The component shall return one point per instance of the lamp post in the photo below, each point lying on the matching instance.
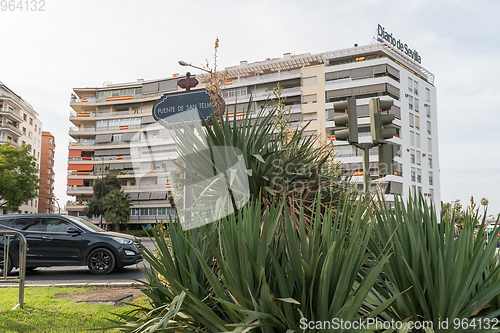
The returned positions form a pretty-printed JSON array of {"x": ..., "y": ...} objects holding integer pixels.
[
  {"x": 183, "y": 63},
  {"x": 102, "y": 184},
  {"x": 57, "y": 202}
]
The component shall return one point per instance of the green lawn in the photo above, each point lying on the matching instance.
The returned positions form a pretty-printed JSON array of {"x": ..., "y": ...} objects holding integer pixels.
[{"x": 43, "y": 313}]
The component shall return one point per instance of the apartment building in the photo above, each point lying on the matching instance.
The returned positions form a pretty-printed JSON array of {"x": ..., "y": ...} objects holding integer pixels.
[
  {"x": 46, "y": 203},
  {"x": 114, "y": 132},
  {"x": 313, "y": 82},
  {"x": 19, "y": 125}
]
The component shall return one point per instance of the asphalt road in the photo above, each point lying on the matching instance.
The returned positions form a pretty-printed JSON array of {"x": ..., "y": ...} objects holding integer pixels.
[{"x": 72, "y": 275}]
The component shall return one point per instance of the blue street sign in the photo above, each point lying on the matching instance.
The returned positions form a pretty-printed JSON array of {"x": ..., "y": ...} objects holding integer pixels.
[{"x": 172, "y": 108}]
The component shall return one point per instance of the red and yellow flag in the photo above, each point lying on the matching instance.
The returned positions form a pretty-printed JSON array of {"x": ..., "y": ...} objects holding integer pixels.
[{"x": 118, "y": 98}]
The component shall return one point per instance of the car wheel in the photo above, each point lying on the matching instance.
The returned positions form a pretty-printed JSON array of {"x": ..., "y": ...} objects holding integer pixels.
[
  {"x": 9, "y": 268},
  {"x": 101, "y": 261}
]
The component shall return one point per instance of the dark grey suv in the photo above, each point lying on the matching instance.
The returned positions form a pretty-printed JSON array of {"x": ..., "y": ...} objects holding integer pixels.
[{"x": 62, "y": 240}]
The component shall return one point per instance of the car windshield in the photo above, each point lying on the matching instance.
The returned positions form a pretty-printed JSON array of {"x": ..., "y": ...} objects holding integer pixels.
[{"x": 85, "y": 224}]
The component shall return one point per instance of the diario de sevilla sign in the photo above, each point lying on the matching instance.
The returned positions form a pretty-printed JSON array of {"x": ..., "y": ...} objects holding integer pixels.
[
  {"x": 397, "y": 44},
  {"x": 182, "y": 107}
]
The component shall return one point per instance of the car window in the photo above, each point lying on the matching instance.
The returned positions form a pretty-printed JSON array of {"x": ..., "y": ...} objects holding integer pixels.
[
  {"x": 6, "y": 222},
  {"x": 56, "y": 225},
  {"x": 28, "y": 224}
]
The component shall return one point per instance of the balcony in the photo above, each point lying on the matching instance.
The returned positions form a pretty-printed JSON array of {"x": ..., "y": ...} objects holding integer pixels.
[
  {"x": 106, "y": 99},
  {"x": 11, "y": 114},
  {"x": 92, "y": 114},
  {"x": 6, "y": 125},
  {"x": 4, "y": 139},
  {"x": 279, "y": 76}
]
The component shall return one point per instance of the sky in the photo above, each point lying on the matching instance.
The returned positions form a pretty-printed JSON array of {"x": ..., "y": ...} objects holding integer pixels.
[{"x": 85, "y": 43}]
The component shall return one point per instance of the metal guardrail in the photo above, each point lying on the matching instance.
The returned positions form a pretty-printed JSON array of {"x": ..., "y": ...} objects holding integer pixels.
[{"x": 22, "y": 263}]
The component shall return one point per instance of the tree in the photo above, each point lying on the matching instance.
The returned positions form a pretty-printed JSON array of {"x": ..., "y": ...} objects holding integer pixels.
[
  {"x": 94, "y": 207},
  {"x": 116, "y": 206},
  {"x": 18, "y": 176}
]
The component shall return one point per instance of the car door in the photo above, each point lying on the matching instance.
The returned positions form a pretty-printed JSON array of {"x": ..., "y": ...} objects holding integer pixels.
[
  {"x": 58, "y": 246},
  {"x": 31, "y": 228}
]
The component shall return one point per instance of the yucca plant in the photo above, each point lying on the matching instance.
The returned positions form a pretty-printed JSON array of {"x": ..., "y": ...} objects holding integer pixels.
[
  {"x": 293, "y": 169},
  {"x": 439, "y": 277},
  {"x": 251, "y": 271}
]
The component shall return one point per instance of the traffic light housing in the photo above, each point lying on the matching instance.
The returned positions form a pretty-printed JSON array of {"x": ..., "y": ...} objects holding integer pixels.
[
  {"x": 379, "y": 122},
  {"x": 386, "y": 153},
  {"x": 349, "y": 120}
]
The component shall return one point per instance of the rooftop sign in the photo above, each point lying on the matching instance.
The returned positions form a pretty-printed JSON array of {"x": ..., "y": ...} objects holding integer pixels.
[{"x": 398, "y": 44}]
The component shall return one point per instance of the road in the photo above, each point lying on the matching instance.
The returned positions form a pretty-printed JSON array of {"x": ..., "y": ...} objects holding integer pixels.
[{"x": 71, "y": 275}]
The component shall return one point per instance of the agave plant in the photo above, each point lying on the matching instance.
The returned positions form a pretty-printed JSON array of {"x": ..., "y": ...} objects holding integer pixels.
[
  {"x": 244, "y": 273},
  {"x": 439, "y": 276},
  {"x": 293, "y": 169}
]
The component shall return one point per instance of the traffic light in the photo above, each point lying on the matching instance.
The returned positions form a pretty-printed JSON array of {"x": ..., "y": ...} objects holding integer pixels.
[
  {"x": 350, "y": 120},
  {"x": 379, "y": 122},
  {"x": 386, "y": 153}
]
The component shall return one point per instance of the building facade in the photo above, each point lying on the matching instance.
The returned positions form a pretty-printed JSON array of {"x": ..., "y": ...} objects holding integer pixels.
[
  {"x": 312, "y": 83},
  {"x": 46, "y": 202},
  {"x": 114, "y": 132},
  {"x": 19, "y": 125}
]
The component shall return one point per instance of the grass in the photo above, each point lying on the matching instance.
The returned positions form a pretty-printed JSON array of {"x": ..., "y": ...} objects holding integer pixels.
[{"x": 43, "y": 313}]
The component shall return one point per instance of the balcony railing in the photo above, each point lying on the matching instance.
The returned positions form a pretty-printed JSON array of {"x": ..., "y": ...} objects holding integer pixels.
[
  {"x": 16, "y": 113},
  {"x": 91, "y": 114},
  {"x": 101, "y": 99},
  {"x": 282, "y": 75},
  {"x": 11, "y": 127},
  {"x": 5, "y": 140},
  {"x": 124, "y": 188}
]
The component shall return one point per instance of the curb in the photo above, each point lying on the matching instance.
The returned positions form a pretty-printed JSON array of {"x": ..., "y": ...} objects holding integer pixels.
[{"x": 81, "y": 285}]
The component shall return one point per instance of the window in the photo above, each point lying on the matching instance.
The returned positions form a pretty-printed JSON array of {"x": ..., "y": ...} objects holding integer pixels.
[
  {"x": 36, "y": 127},
  {"x": 309, "y": 81},
  {"x": 412, "y": 120},
  {"x": 415, "y": 88},
  {"x": 306, "y": 99},
  {"x": 412, "y": 156},
  {"x": 24, "y": 130},
  {"x": 430, "y": 161},
  {"x": 428, "y": 127},
  {"x": 431, "y": 193},
  {"x": 417, "y": 122},
  {"x": 25, "y": 118},
  {"x": 49, "y": 171},
  {"x": 412, "y": 138},
  {"x": 428, "y": 111},
  {"x": 410, "y": 102},
  {"x": 28, "y": 224},
  {"x": 116, "y": 137},
  {"x": 51, "y": 142},
  {"x": 419, "y": 176},
  {"x": 30, "y": 135},
  {"x": 417, "y": 140},
  {"x": 419, "y": 157},
  {"x": 50, "y": 151},
  {"x": 417, "y": 105},
  {"x": 31, "y": 121},
  {"x": 429, "y": 144},
  {"x": 50, "y": 161},
  {"x": 48, "y": 191},
  {"x": 57, "y": 225},
  {"x": 410, "y": 85},
  {"x": 427, "y": 94},
  {"x": 431, "y": 181},
  {"x": 413, "y": 174},
  {"x": 34, "y": 152},
  {"x": 48, "y": 180}
]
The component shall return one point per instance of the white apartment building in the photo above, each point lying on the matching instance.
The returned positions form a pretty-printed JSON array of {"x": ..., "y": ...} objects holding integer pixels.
[
  {"x": 115, "y": 131},
  {"x": 19, "y": 124},
  {"x": 313, "y": 82}
]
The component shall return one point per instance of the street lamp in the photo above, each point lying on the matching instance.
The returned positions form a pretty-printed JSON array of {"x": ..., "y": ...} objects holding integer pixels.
[
  {"x": 57, "y": 202},
  {"x": 183, "y": 63}
]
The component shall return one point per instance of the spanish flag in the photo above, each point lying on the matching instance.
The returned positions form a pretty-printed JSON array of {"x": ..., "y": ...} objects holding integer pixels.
[
  {"x": 229, "y": 82},
  {"x": 358, "y": 173},
  {"x": 153, "y": 170},
  {"x": 83, "y": 114},
  {"x": 175, "y": 75},
  {"x": 119, "y": 157},
  {"x": 239, "y": 114},
  {"x": 168, "y": 185},
  {"x": 331, "y": 137},
  {"x": 118, "y": 98},
  {"x": 74, "y": 143},
  {"x": 87, "y": 158},
  {"x": 80, "y": 173},
  {"x": 85, "y": 99},
  {"x": 396, "y": 173},
  {"x": 124, "y": 127}
]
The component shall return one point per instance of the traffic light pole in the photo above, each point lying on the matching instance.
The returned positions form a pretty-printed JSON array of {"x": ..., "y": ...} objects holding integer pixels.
[{"x": 366, "y": 164}]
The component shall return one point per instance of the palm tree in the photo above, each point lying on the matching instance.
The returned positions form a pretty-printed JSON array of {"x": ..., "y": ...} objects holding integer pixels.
[{"x": 116, "y": 207}]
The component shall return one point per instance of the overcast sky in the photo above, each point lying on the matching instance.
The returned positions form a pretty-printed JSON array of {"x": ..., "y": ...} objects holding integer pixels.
[{"x": 85, "y": 43}]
